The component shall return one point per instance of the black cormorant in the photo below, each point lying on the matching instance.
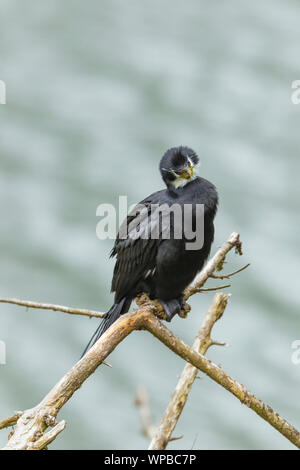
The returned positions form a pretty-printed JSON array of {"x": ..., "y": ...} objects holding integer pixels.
[{"x": 162, "y": 266}]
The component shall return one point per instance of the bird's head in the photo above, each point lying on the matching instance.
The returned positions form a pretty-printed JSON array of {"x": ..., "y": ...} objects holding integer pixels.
[{"x": 179, "y": 166}]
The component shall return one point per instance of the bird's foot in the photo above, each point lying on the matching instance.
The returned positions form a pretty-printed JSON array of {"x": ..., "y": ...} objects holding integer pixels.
[
  {"x": 182, "y": 302},
  {"x": 172, "y": 307}
]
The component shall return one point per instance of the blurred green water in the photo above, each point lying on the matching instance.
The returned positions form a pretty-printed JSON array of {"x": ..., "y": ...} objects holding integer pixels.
[{"x": 96, "y": 92}]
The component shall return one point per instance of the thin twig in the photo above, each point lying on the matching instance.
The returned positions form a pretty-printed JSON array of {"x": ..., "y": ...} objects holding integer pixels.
[
  {"x": 212, "y": 265},
  {"x": 211, "y": 289},
  {"x": 228, "y": 276},
  {"x": 56, "y": 308}
]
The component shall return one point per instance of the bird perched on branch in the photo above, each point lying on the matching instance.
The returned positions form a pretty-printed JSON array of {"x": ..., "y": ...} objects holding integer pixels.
[{"x": 164, "y": 242}]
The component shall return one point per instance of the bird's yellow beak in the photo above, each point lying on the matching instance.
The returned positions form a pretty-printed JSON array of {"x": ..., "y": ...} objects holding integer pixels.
[{"x": 187, "y": 173}]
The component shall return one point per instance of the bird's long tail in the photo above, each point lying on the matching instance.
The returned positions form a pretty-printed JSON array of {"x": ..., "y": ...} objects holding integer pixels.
[{"x": 112, "y": 315}]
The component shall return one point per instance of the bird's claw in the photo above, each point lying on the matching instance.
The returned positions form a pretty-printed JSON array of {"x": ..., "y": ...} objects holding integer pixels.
[{"x": 172, "y": 307}]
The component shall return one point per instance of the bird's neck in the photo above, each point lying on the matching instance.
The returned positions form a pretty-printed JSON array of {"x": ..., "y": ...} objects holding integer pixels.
[{"x": 176, "y": 192}]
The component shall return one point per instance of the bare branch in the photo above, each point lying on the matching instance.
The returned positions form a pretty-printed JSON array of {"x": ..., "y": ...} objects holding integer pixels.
[
  {"x": 212, "y": 289},
  {"x": 31, "y": 426},
  {"x": 32, "y": 422},
  {"x": 48, "y": 437},
  {"x": 228, "y": 276},
  {"x": 159, "y": 330},
  {"x": 11, "y": 421},
  {"x": 179, "y": 398},
  {"x": 215, "y": 262},
  {"x": 56, "y": 308},
  {"x": 143, "y": 405}
]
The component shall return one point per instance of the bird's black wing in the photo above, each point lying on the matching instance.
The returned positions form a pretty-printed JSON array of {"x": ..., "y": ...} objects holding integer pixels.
[{"x": 135, "y": 251}]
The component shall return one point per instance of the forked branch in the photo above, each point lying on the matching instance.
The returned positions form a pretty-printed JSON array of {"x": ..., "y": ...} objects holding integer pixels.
[
  {"x": 179, "y": 398},
  {"x": 31, "y": 425}
]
